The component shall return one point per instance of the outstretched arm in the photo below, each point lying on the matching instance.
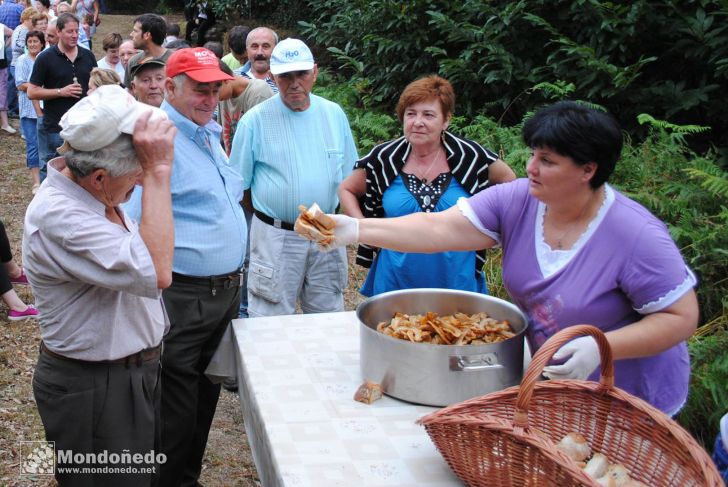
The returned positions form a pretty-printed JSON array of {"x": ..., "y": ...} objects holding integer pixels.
[{"x": 418, "y": 232}]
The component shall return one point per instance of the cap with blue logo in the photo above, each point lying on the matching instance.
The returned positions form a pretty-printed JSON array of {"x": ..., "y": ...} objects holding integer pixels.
[{"x": 291, "y": 55}]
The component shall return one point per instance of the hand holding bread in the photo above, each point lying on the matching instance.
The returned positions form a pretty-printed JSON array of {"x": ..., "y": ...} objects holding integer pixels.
[{"x": 328, "y": 231}]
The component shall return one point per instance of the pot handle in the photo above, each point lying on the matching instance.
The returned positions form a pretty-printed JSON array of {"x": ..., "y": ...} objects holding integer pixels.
[
  {"x": 544, "y": 354},
  {"x": 469, "y": 363}
]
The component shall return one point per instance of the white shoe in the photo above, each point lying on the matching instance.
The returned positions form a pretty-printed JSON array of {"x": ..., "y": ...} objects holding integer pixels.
[{"x": 9, "y": 129}]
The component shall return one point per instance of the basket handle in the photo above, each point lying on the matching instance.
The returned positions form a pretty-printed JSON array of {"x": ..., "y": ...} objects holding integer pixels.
[{"x": 544, "y": 354}]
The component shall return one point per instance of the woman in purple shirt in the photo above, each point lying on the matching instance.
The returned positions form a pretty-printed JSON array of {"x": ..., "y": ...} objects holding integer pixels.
[{"x": 575, "y": 251}]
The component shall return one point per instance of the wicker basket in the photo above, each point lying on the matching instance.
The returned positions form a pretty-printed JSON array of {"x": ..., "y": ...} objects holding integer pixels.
[{"x": 507, "y": 438}]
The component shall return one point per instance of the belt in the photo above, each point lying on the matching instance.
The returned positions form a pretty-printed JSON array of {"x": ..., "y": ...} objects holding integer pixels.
[
  {"x": 274, "y": 222},
  {"x": 146, "y": 355},
  {"x": 212, "y": 283},
  {"x": 226, "y": 281}
]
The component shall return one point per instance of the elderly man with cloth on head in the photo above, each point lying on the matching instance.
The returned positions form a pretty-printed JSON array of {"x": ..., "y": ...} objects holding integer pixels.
[{"x": 97, "y": 278}]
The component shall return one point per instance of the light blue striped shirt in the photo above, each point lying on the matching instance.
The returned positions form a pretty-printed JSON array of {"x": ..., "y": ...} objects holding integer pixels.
[
  {"x": 23, "y": 68},
  {"x": 209, "y": 224},
  {"x": 290, "y": 158}
]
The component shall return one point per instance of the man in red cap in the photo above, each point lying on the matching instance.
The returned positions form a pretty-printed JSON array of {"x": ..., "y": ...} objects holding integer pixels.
[{"x": 210, "y": 236}]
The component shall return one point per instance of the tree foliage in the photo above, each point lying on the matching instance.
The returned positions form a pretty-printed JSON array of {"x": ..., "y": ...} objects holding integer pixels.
[{"x": 666, "y": 58}]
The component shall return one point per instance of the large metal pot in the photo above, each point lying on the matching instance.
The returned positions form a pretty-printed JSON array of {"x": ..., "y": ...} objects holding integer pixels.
[{"x": 438, "y": 375}]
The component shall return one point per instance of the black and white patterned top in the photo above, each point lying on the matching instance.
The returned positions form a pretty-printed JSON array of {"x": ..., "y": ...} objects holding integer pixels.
[
  {"x": 468, "y": 162},
  {"x": 427, "y": 194}
]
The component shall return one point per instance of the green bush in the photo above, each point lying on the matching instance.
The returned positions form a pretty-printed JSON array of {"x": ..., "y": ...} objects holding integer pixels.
[
  {"x": 708, "y": 399},
  {"x": 661, "y": 57}
]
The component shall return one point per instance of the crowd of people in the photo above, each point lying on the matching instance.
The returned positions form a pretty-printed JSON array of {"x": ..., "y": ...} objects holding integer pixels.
[{"x": 167, "y": 179}]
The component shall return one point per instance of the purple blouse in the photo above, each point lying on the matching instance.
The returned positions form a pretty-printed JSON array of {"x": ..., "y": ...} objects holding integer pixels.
[{"x": 628, "y": 266}]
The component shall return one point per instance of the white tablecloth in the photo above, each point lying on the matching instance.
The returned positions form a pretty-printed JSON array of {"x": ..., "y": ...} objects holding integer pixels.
[{"x": 297, "y": 377}]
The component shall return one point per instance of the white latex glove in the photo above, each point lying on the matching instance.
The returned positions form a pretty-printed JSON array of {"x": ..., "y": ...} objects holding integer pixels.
[
  {"x": 346, "y": 232},
  {"x": 584, "y": 360}
]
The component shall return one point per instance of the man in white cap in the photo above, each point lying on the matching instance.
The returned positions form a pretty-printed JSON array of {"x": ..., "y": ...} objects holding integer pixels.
[
  {"x": 292, "y": 149},
  {"x": 210, "y": 235},
  {"x": 97, "y": 278}
]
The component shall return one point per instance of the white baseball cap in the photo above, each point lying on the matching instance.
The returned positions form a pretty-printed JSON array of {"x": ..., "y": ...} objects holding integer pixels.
[
  {"x": 291, "y": 55},
  {"x": 98, "y": 119}
]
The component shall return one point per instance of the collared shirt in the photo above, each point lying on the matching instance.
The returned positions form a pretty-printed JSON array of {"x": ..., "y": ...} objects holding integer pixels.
[
  {"x": 10, "y": 13},
  {"x": 292, "y": 158},
  {"x": 52, "y": 70},
  {"x": 209, "y": 224},
  {"x": 94, "y": 281},
  {"x": 22, "y": 73},
  {"x": 247, "y": 71}
]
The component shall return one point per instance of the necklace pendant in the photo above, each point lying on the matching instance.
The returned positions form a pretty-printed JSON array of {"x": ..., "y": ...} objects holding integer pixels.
[{"x": 427, "y": 200}]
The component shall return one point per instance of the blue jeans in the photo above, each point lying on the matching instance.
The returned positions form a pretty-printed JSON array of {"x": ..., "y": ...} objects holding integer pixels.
[
  {"x": 246, "y": 262},
  {"x": 12, "y": 90},
  {"x": 28, "y": 126},
  {"x": 48, "y": 151},
  {"x": 42, "y": 151}
]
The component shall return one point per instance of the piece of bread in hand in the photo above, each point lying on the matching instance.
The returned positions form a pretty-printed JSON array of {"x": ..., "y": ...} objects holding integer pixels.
[
  {"x": 314, "y": 224},
  {"x": 368, "y": 392}
]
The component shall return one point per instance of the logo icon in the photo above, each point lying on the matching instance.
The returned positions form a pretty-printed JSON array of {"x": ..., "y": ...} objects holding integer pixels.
[{"x": 37, "y": 457}]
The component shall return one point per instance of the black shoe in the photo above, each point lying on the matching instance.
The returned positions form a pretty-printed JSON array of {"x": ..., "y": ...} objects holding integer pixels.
[{"x": 230, "y": 384}]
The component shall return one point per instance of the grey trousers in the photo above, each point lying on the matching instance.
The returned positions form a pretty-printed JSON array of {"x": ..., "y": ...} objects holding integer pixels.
[
  {"x": 286, "y": 269},
  {"x": 95, "y": 408}
]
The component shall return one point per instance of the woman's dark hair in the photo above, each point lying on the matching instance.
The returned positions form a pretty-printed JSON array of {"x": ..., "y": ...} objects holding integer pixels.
[
  {"x": 579, "y": 132},
  {"x": 38, "y": 35}
]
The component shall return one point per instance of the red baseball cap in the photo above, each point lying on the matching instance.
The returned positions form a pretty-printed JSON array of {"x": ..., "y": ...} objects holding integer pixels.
[{"x": 198, "y": 63}]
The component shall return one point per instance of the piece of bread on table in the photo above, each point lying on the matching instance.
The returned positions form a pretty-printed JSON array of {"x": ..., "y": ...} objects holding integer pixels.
[{"x": 368, "y": 392}]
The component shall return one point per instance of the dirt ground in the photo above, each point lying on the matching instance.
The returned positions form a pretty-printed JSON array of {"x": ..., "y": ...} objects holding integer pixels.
[{"x": 227, "y": 460}]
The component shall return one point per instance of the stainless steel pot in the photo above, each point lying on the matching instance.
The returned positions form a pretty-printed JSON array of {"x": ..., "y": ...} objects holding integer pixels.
[{"x": 438, "y": 375}]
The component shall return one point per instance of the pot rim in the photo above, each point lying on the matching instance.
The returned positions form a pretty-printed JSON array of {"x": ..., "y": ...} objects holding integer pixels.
[{"x": 372, "y": 299}]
